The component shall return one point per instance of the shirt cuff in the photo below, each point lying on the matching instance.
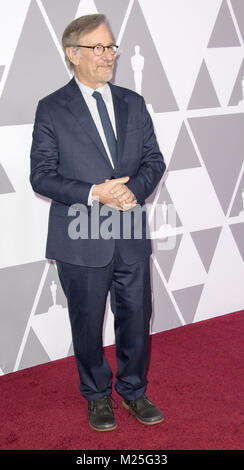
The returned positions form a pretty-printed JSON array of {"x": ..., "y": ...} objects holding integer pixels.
[{"x": 90, "y": 200}]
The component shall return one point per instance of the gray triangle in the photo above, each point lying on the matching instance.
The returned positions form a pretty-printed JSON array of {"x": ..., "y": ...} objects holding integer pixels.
[
  {"x": 166, "y": 258},
  {"x": 66, "y": 14},
  {"x": 238, "y": 204},
  {"x": 2, "y": 67},
  {"x": 34, "y": 353},
  {"x": 187, "y": 300},
  {"x": 238, "y": 234},
  {"x": 236, "y": 94},
  {"x": 71, "y": 350},
  {"x": 155, "y": 85},
  {"x": 184, "y": 155},
  {"x": 224, "y": 33},
  {"x": 164, "y": 315},
  {"x": 206, "y": 242},
  {"x": 114, "y": 11},
  {"x": 18, "y": 288},
  {"x": 5, "y": 184},
  {"x": 221, "y": 144},
  {"x": 150, "y": 198},
  {"x": 46, "y": 300},
  {"x": 204, "y": 94},
  {"x": 39, "y": 69},
  {"x": 238, "y": 7}
]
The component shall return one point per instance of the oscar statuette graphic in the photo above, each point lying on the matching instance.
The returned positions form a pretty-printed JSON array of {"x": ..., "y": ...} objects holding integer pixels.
[{"x": 52, "y": 327}]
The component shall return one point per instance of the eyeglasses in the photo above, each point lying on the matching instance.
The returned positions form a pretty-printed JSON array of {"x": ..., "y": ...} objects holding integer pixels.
[{"x": 99, "y": 49}]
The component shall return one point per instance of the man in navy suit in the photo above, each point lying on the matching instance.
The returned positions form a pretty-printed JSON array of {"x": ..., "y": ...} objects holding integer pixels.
[{"x": 94, "y": 153}]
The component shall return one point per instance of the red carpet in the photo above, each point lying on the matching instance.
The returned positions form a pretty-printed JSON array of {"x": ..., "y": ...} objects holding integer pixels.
[{"x": 196, "y": 376}]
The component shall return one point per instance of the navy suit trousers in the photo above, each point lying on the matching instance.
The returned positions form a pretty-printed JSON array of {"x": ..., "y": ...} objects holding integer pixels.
[{"x": 86, "y": 289}]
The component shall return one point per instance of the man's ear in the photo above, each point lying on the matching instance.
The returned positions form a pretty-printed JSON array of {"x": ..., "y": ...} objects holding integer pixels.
[{"x": 72, "y": 55}]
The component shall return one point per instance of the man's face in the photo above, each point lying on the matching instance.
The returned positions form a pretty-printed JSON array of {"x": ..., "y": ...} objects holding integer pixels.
[{"x": 92, "y": 70}]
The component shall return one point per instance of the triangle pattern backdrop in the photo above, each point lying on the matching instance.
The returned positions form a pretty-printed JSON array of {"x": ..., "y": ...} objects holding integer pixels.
[
  {"x": 5, "y": 184},
  {"x": 238, "y": 7},
  {"x": 224, "y": 33},
  {"x": 198, "y": 254},
  {"x": 29, "y": 62},
  {"x": 1, "y": 70},
  {"x": 204, "y": 94},
  {"x": 60, "y": 14}
]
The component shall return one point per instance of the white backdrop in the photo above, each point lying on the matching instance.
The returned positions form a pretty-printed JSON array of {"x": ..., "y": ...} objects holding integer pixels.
[{"x": 191, "y": 57}]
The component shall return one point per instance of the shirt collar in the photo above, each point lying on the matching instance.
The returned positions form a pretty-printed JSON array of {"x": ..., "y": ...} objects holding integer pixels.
[{"x": 104, "y": 90}]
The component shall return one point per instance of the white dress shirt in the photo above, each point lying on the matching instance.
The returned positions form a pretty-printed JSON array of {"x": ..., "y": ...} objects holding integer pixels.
[{"x": 92, "y": 106}]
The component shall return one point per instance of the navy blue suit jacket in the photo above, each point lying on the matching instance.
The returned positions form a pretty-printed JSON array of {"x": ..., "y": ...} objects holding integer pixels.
[{"x": 68, "y": 157}]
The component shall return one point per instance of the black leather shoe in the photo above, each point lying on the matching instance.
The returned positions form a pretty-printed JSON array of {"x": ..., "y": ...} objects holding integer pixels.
[
  {"x": 100, "y": 414},
  {"x": 143, "y": 410}
]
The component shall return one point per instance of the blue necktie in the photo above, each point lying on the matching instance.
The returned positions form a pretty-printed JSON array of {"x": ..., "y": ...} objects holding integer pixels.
[{"x": 107, "y": 126}]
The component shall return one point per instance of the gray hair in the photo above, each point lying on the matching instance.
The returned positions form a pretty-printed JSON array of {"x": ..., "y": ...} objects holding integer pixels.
[{"x": 79, "y": 27}]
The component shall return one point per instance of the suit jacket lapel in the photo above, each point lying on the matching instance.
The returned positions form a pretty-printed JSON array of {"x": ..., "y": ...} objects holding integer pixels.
[
  {"x": 121, "y": 117},
  {"x": 80, "y": 111}
]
